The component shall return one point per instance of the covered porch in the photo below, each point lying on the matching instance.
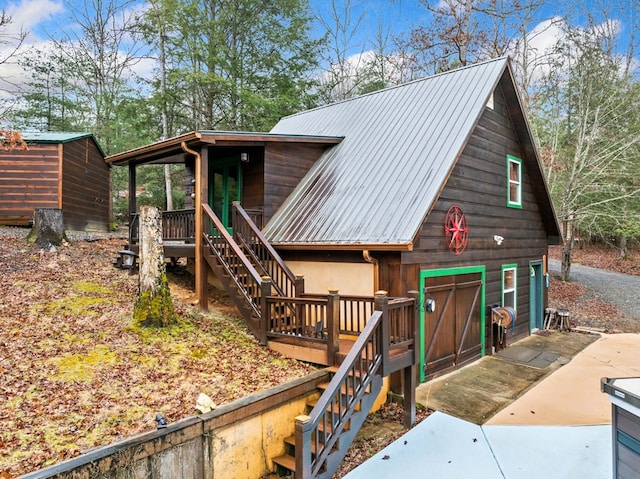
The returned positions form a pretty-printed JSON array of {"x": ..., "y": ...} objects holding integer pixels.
[{"x": 259, "y": 170}]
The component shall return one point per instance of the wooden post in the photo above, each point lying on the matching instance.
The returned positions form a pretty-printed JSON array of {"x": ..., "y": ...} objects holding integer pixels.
[
  {"x": 201, "y": 190},
  {"x": 303, "y": 448},
  {"x": 415, "y": 325},
  {"x": 154, "y": 306},
  {"x": 299, "y": 285},
  {"x": 381, "y": 303},
  {"x": 333, "y": 326},
  {"x": 409, "y": 379},
  {"x": 133, "y": 208},
  {"x": 409, "y": 395},
  {"x": 265, "y": 317}
]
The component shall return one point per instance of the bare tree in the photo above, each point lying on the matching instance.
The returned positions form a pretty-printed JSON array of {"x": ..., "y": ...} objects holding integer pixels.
[
  {"x": 157, "y": 28},
  {"x": 345, "y": 58},
  {"x": 13, "y": 40},
  {"x": 592, "y": 133},
  {"x": 104, "y": 49},
  {"x": 466, "y": 31}
]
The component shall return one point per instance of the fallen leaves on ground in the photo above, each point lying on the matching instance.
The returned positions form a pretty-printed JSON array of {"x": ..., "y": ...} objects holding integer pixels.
[
  {"x": 75, "y": 375},
  {"x": 587, "y": 312}
]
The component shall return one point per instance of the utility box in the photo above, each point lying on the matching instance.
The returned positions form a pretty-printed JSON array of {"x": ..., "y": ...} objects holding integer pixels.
[{"x": 624, "y": 394}]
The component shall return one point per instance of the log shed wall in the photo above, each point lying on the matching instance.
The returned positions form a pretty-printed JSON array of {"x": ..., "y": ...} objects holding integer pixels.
[
  {"x": 28, "y": 180},
  {"x": 85, "y": 186},
  {"x": 71, "y": 175}
]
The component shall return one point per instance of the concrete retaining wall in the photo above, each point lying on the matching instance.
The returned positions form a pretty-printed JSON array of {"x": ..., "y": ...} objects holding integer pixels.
[{"x": 236, "y": 440}]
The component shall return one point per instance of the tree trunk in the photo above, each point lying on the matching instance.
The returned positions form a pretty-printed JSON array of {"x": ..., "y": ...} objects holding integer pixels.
[
  {"x": 567, "y": 250},
  {"x": 154, "y": 306},
  {"x": 48, "y": 228},
  {"x": 624, "y": 252},
  {"x": 168, "y": 187}
]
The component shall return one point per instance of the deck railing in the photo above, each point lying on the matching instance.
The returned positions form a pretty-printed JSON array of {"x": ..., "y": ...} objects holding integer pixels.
[
  {"x": 177, "y": 225},
  {"x": 247, "y": 235},
  {"x": 237, "y": 266},
  {"x": 317, "y": 434}
]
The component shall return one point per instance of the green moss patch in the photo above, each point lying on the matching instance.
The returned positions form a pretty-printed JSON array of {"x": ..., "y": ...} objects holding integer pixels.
[{"x": 82, "y": 367}]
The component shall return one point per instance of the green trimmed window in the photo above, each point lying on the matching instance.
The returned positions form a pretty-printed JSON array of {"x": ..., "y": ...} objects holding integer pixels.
[
  {"x": 514, "y": 178},
  {"x": 509, "y": 285}
]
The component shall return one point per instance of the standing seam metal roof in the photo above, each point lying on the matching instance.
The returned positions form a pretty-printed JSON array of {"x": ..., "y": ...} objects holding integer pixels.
[{"x": 378, "y": 184}]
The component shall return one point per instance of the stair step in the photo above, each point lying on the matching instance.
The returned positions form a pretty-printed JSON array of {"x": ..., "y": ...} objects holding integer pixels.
[
  {"x": 287, "y": 461},
  {"x": 312, "y": 402},
  {"x": 344, "y": 390},
  {"x": 291, "y": 441},
  {"x": 334, "y": 369},
  {"x": 329, "y": 427}
]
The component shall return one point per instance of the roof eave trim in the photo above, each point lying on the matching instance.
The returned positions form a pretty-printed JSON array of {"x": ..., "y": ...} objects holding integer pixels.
[
  {"x": 126, "y": 156},
  {"x": 341, "y": 246}
]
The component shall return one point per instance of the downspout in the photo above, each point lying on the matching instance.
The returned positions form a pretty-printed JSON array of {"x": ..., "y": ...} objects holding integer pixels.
[
  {"x": 376, "y": 268},
  {"x": 198, "y": 232}
]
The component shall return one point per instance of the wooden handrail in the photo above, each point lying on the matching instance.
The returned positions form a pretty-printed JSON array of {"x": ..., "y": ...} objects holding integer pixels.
[
  {"x": 321, "y": 429},
  {"x": 245, "y": 230},
  {"x": 391, "y": 329},
  {"x": 251, "y": 286}
]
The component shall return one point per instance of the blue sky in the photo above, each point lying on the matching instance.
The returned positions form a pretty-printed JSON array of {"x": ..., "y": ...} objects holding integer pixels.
[{"x": 42, "y": 17}]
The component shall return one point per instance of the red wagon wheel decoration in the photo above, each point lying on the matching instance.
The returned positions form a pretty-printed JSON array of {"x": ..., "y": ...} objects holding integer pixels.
[{"x": 456, "y": 229}]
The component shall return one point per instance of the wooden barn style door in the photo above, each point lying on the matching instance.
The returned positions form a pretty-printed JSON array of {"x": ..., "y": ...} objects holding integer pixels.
[{"x": 452, "y": 318}]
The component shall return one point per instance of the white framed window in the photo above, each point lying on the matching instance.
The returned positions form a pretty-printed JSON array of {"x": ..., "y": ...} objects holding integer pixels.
[
  {"x": 514, "y": 182},
  {"x": 510, "y": 285}
]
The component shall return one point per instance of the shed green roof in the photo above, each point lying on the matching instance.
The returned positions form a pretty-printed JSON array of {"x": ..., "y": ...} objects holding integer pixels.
[{"x": 53, "y": 137}]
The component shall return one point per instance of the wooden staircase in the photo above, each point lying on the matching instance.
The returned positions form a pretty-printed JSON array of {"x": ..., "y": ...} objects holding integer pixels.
[
  {"x": 335, "y": 432},
  {"x": 272, "y": 302}
]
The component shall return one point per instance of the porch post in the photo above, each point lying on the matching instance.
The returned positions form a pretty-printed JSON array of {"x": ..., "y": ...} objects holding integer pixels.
[
  {"x": 202, "y": 173},
  {"x": 381, "y": 303},
  {"x": 409, "y": 380},
  {"x": 133, "y": 207},
  {"x": 333, "y": 326},
  {"x": 299, "y": 285}
]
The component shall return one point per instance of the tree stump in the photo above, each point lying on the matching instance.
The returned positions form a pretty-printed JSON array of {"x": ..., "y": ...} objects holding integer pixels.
[
  {"x": 154, "y": 306},
  {"x": 48, "y": 228}
]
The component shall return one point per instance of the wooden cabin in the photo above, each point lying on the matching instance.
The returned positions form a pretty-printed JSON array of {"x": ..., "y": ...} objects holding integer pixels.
[
  {"x": 434, "y": 186},
  {"x": 399, "y": 234},
  {"x": 58, "y": 170}
]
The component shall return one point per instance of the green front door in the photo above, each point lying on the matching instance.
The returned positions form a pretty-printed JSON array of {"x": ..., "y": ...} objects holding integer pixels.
[
  {"x": 536, "y": 295},
  {"x": 225, "y": 187}
]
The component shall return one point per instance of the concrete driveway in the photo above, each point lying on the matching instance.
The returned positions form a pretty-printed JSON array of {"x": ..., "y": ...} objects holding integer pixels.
[{"x": 557, "y": 429}]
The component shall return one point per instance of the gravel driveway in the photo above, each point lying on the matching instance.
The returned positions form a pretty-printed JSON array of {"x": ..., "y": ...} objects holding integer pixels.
[{"x": 621, "y": 290}]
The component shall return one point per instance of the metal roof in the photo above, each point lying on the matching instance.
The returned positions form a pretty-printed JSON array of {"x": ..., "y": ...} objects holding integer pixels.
[
  {"x": 376, "y": 187},
  {"x": 57, "y": 137},
  {"x": 52, "y": 137}
]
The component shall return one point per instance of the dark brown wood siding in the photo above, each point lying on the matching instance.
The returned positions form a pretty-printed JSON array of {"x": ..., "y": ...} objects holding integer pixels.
[
  {"x": 28, "y": 180},
  {"x": 85, "y": 186},
  {"x": 478, "y": 184},
  {"x": 253, "y": 180},
  {"x": 285, "y": 164}
]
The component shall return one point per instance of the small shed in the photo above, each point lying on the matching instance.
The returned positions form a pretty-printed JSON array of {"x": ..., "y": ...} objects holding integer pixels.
[{"x": 58, "y": 170}]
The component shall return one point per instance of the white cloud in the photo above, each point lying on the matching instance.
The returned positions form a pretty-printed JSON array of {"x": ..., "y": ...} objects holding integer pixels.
[{"x": 29, "y": 14}]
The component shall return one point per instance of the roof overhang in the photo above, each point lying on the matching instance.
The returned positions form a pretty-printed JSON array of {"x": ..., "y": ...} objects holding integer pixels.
[
  {"x": 344, "y": 246},
  {"x": 171, "y": 150}
]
